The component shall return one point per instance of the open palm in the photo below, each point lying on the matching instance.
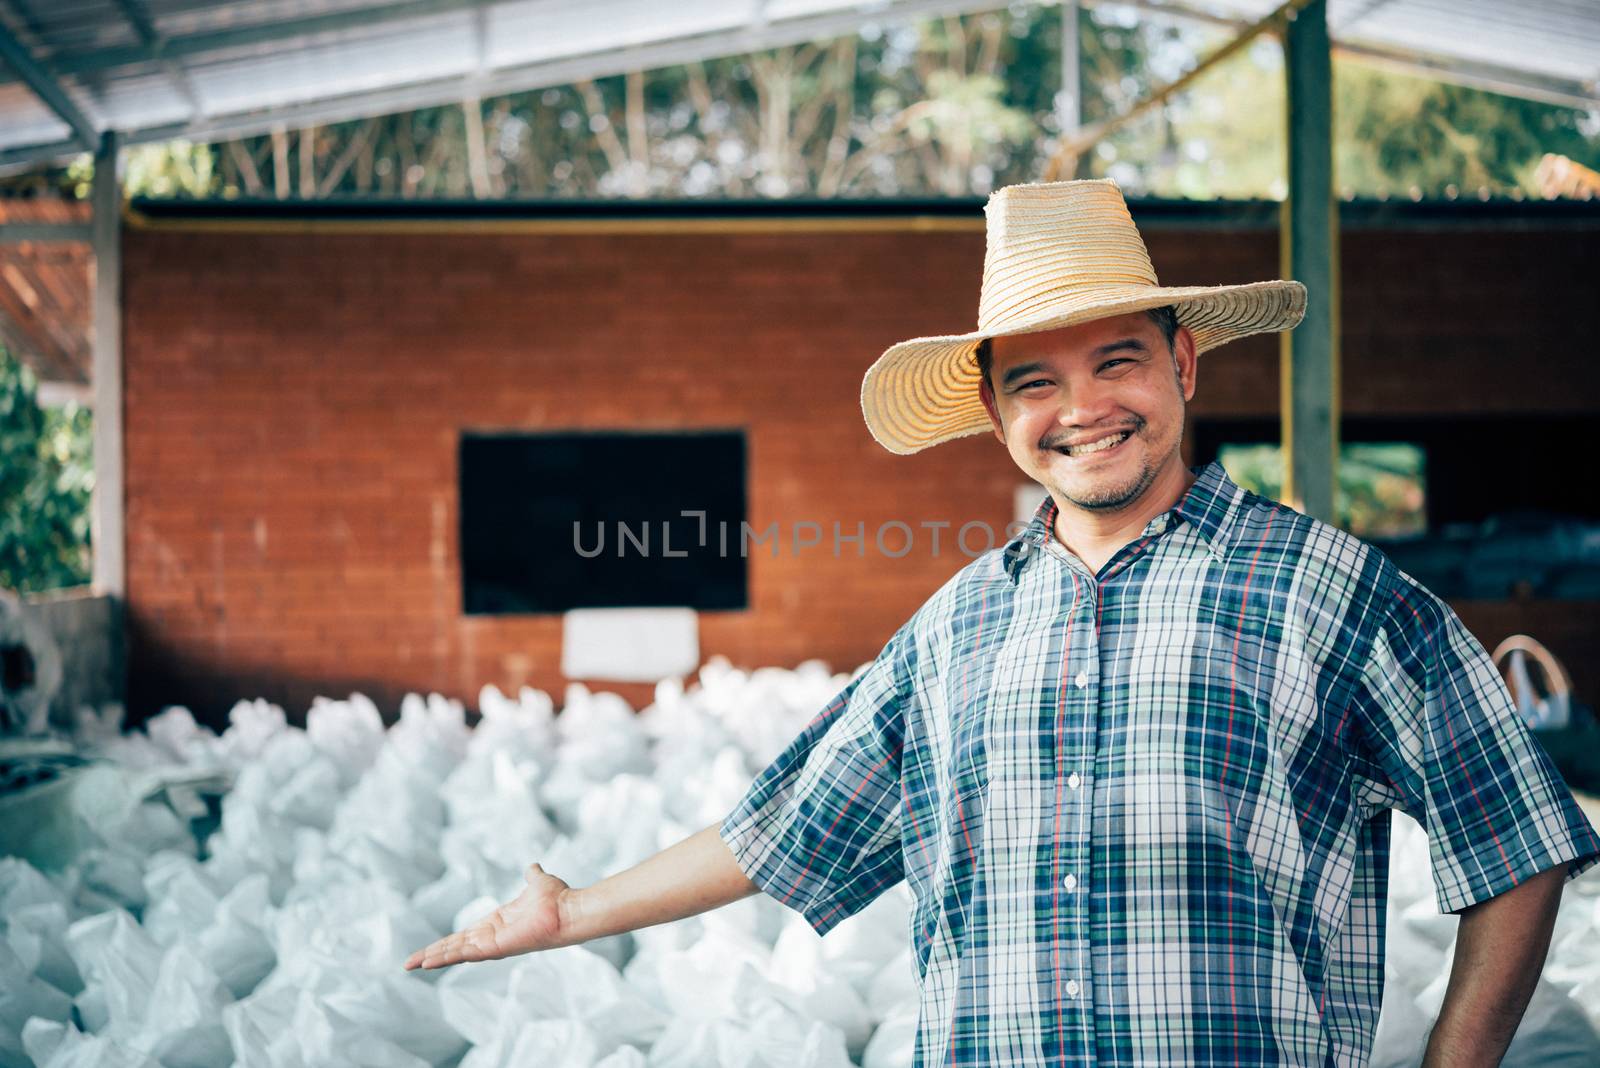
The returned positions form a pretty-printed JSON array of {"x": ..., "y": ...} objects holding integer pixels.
[{"x": 530, "y": 922}]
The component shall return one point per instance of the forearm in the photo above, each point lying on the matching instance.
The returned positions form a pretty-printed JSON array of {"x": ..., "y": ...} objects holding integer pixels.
[
  {"x": 696, "y": 875},
  {"x": 1500, "y": 951}
]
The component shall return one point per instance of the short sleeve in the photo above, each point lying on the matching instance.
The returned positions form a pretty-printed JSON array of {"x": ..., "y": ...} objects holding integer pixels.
[
  {"x": 819, "y": 829},
  {"x": 1449, "y": 749}
]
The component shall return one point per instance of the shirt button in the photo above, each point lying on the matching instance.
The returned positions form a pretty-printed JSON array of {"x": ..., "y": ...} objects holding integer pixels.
[
  {"x": 1070, "y": 882},
  {"x": 1072, "y": 988},
  {"x": 1082, "y": 680},
  {"x": 1073, "y": 780}
]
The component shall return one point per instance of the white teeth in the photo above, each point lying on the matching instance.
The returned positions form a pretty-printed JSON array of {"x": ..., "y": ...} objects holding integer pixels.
[{"x": 1099, "y": 446}]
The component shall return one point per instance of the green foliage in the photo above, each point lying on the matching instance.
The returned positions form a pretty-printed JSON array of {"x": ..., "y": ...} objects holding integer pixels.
[
  {"x": 967, "y": 113},
  {"x": 1381, "y": 491},
  {"x": 1394, "y": 134},
  {"x": 1402, "y": 135},
  {"x": 1224, "y": 137},
  {"x": 46, "y": 478},
  {"x": 169, "y": 169}
]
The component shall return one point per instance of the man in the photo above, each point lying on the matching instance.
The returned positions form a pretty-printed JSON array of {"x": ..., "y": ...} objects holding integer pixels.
[{"x": 1136, "y": 765}]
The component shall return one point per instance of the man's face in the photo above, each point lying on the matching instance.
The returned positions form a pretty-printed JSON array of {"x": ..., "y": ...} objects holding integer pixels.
[{"x": 1054, "y": 392}]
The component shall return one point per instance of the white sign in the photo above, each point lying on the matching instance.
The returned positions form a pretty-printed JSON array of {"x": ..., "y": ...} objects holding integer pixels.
[{"x": 630, "y": 644}]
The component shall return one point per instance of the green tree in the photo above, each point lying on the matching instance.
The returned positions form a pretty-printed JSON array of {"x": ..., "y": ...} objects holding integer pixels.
[
  {"x": 1398, "y": 134},
  {"x": 168, "y": 169},
  {"x": 46, "y": 478},
  {"x": 1381, "y": 491}
]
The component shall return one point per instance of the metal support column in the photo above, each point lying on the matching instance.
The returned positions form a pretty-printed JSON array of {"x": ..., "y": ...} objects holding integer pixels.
[
  {"x": 1069, "y": 102},
  {"x": 1310, "y": 251},
  {"x": 106, "y": 377}
]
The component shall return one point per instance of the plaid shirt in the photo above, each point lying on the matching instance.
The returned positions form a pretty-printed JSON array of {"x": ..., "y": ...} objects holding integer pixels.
[{"x": 1143, "y": 814}]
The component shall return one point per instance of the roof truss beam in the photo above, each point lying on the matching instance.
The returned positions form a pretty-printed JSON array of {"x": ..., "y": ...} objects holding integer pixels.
[
  {"x": 1563, "y": 92},
  {"x": 261, "y": 33},
  {"x": 17, "y": 56},
  {"x": 143, "y": 25}
]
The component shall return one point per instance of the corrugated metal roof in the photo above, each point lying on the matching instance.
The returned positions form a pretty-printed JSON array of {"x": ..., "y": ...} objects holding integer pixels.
[
  {"x": 208, "y": 69},
  {"x": 1545, "y": 49}
]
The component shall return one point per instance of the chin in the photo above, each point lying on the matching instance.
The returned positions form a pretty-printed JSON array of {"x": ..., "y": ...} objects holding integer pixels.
[
  {"x": 1108, "y": 501},
  {"x": 1111, "y": 488}
]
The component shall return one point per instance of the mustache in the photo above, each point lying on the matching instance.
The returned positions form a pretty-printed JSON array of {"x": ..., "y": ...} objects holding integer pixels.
[{"x": 1061, "y": 441}]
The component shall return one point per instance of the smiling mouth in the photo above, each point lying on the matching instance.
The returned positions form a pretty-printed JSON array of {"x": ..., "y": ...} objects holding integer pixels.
[{"x": 1097, "y": 448}]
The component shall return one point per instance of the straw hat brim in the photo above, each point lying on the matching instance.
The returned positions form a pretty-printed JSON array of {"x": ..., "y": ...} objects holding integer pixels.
[{"x": 924, "y": 391}]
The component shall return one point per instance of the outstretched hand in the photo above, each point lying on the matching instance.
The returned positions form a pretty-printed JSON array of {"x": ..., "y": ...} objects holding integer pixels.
[{"x": 530, "y": 922}]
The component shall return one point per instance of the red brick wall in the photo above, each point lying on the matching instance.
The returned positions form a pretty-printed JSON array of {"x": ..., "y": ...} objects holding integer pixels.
[{"x": 294, "y": 400}]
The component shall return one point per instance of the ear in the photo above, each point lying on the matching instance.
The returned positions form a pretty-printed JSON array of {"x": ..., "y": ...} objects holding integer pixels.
[
  {"x": 1183, "y": 353},
  {"x": 986, "y": 395}
]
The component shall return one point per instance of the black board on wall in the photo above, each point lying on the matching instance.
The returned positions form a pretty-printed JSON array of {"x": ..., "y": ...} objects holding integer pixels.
[{"x": 595, "y": 519}]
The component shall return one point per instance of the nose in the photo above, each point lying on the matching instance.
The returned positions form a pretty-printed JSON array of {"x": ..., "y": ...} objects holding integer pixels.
[{"x": 1086, "y": 403}]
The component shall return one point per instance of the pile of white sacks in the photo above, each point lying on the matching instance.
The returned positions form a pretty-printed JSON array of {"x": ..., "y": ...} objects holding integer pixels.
[{"x": 343, "y": 847}]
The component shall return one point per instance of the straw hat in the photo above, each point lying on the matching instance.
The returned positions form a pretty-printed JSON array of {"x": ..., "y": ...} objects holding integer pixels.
[{"x": 1058, "y": 254}]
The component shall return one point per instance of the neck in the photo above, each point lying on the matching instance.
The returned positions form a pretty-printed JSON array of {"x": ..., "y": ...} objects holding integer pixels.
[{"x": 1094, "y": 536}]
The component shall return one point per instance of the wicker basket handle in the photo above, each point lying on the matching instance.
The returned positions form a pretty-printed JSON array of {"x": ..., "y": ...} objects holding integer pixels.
[{"x": 1557, "y": 681}]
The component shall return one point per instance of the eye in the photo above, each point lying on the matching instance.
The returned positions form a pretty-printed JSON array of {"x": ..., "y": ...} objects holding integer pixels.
[{"x": 1110, "y": 363}]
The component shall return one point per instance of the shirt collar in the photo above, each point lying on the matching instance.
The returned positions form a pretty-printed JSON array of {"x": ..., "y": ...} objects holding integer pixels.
[{"x": 1210, "y": 505}]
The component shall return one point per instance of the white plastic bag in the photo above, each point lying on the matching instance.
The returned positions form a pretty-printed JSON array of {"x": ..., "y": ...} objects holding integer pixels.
[
  {"x": 894, "y": 1043},
  {"x": 50, "y": 1044},
  {"x": 289, "y": 1028},
  {"x": 24, "y": 996},
  {"x": 37, "y": 935},
  {"x": 546, "y": 1043},
  {"x": 345, "y": 947},
  {"x": 570, "y": 983}
]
